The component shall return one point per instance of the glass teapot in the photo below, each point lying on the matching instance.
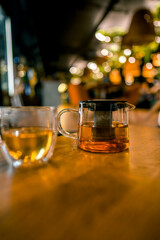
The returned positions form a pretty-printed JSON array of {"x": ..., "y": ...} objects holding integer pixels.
[{"x": 102, "y": 125}]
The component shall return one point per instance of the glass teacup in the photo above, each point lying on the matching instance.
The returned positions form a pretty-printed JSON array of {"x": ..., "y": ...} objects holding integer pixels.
[{"x": 28, "y": 134}]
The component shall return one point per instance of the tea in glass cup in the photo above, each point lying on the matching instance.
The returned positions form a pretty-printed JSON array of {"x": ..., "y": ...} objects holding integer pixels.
[{"x": 29, "y": 134}]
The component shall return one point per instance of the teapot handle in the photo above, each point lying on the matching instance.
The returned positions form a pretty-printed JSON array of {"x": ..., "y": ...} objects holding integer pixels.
[{"x": 59, "y": 125}]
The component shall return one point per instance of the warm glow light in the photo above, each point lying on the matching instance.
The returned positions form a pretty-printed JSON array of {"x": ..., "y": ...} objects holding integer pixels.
[
  {"x": 21, "y": 73},
  {"x": 75, "y": 81},
  {"x": 132, "y": 67},
  {"x": 108, "y": 39},
  {"x": 76, "y": 71},
  {"x": 122, "y": 59},
  {"x": 97, "y": 75},
  {"x": 157, "y": 39},
  {"x": 131, "y": 60},
  {"x": 127, "y": 52},
  {"x": 110, "y": 54},
  {"x": 104, "y": 52},
  {"x": 149, "y": 65},
  {"x": 80, "y": 72},
  {"x": 96, "y": 70},
  {"x": 148, "y": 71},
  {"x": 100, "y": 75},
  {"x": 156, "y": 23},
  {"x": 104, "y": 64},
  {"x": 129, "y": 79},
  {"x": 107, "y": 68},
  {"x": 115, "y": 47},
  {"x": 100, "y": 37},
  {"x": 62, "y": 87},
  {"x": 92, "y": 65},
  {"x": 73, "y": 70},
  {"x": 115, "y": 76},
  {"x": 156, "y": 60},
  {"x": 117, "y": 39}
]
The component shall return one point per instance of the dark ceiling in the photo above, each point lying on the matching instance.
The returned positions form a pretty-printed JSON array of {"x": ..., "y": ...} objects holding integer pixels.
[{"x": 55, "y": 33}]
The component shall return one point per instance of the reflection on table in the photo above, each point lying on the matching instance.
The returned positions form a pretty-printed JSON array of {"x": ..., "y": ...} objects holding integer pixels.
[{"x": 82, "y": 195}]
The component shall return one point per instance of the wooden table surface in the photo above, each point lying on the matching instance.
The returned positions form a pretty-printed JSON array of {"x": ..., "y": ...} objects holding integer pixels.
[{"x": 86, "y": 196}]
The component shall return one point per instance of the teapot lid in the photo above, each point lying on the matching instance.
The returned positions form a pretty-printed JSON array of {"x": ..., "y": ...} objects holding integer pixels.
[{"x": 103, "y": 104}]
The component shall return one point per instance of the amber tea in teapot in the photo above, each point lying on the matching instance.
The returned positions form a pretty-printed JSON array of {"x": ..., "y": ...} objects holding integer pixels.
[
  {"x": 107, "y": 139},
  {"x": 102, "y": 127}
]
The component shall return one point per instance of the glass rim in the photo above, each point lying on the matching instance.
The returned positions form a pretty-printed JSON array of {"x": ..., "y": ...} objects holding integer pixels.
[{"x": 26, "y": 108}]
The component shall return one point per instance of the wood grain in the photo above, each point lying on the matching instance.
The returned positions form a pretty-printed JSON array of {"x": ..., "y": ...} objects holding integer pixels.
[{"x": 81, "y": 195}]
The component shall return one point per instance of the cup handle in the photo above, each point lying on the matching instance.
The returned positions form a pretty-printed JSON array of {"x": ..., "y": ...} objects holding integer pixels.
[{"x": 60, "y": 128}]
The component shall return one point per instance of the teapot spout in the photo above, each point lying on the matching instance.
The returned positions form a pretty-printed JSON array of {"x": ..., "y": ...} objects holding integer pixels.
[{"x": 130, "y": 106}]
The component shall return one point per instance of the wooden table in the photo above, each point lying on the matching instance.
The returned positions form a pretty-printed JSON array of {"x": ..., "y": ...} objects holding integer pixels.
[{"x": 86, "y": 196}]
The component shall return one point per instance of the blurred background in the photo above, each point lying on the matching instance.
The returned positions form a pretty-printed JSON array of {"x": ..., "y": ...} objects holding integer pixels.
[{"x": 60, "y": 52}]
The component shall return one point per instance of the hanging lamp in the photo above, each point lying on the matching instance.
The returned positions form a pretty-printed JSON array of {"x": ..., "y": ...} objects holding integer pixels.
[{"x": 141, "y": 29}]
